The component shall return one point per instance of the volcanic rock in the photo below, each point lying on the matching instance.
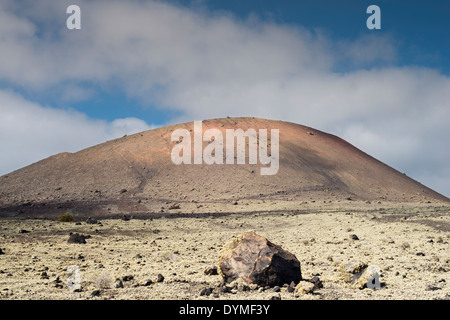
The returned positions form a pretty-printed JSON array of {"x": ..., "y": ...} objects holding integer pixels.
[
  {"x": 291, "y": 287},
  {"x": 206, "y": 291},
  {"x": 95, "y": 293},
  {"x": 127, "y": 278},
  {"x": 304, "y": 287},
  {"x": 354, "y": 237},
  {"x": 118, "y": 283},
  {"x": 159, "y": 278},
  {"x": 317, "y": 283},
  {"x": 77, "y": 238},
  {"x": 257, "y": 260},
  {"x": 91, "y": 220}
]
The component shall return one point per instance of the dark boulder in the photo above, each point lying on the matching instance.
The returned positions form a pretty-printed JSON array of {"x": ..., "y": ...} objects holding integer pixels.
[
  {"x": 257, "y": 260},
  {"x": 159, "y": 278},
  {"x": 91, "y": 220},
  {"x": 77, "y": 238}
]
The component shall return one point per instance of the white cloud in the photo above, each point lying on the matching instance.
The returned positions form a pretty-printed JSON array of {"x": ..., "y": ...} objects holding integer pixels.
[{"x": 209, "y": 65}]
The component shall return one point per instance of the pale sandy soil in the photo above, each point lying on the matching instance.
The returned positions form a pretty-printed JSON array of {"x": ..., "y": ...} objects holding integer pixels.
[{"x": 409, "y": 244}]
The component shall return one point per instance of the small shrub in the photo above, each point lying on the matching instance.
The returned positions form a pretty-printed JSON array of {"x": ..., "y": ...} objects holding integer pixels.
[
  {"x": 103, "y": 281},
  {"x": 66, "y": 217}
]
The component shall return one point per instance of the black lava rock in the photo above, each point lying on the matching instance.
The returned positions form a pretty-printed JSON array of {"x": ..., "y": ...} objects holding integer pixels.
[
  {"x": 77, "y": 238},
  {"x": 160, "y": 278}
]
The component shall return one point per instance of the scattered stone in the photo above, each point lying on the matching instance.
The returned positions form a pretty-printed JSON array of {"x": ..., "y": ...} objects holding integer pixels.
[
  {"x": 206, "y": 292},
  {"x": 352, "y": 270},
  {"x": 317, "y": 283},
  {"x": 127, "y": 278},
  {"x": 174, "y": 206},
  {"x": 354, "y": 237},
  {"x": 1, "y": 251},
  {"x": 432, "y": 288},
  {"x": 58, "y": 283},
  {"x": 276, "y": 289},
  {"x": 77, "y": 238},
  {"x": 24, "y": 231},
  {"x": 123, "y": 191},
  {"x": 304, "y": 287},
  {"x": 257, "y": 260},
  {"x": 44, "y": 275},
  {"x": 275, "y": 296},
  {"x": 225, "y": 289},
  {"x": 212, "y": 271},
  {"x": 118, "y": 284},
  {"x": 420, "y": 254},
  {"x": 95, "y": 293},
  {"x": 291, "y": 287},
  {"x": 147, "y": 283},
  {"x": 159, "y": 278},
  {"x": 235, "y": 203},
  {"x": 91, "y": 221}
]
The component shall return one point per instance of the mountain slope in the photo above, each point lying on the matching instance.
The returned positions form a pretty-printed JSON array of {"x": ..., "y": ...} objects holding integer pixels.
[{"x": 135, "y": 174}]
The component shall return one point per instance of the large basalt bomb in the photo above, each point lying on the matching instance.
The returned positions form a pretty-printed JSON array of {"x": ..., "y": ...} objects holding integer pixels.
[{"x": 257, "y": 260}]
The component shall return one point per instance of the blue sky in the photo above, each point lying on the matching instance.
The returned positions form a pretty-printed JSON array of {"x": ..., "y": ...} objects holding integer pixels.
[{"x": 137, "y": 65}]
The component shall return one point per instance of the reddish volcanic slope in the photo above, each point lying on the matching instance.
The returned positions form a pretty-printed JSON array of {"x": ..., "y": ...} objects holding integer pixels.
[{"x": 136, "y": 174}]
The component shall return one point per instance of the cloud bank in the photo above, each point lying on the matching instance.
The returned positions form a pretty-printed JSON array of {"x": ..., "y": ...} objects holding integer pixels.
[{"x": 207, "y": 65}]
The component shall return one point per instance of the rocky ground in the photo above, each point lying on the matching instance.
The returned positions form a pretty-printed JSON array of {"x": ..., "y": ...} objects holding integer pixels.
[{"x": 166, "y": 256}]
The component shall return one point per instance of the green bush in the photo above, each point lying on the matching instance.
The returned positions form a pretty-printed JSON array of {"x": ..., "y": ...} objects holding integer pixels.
[{"x": 66, "y": 217}]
